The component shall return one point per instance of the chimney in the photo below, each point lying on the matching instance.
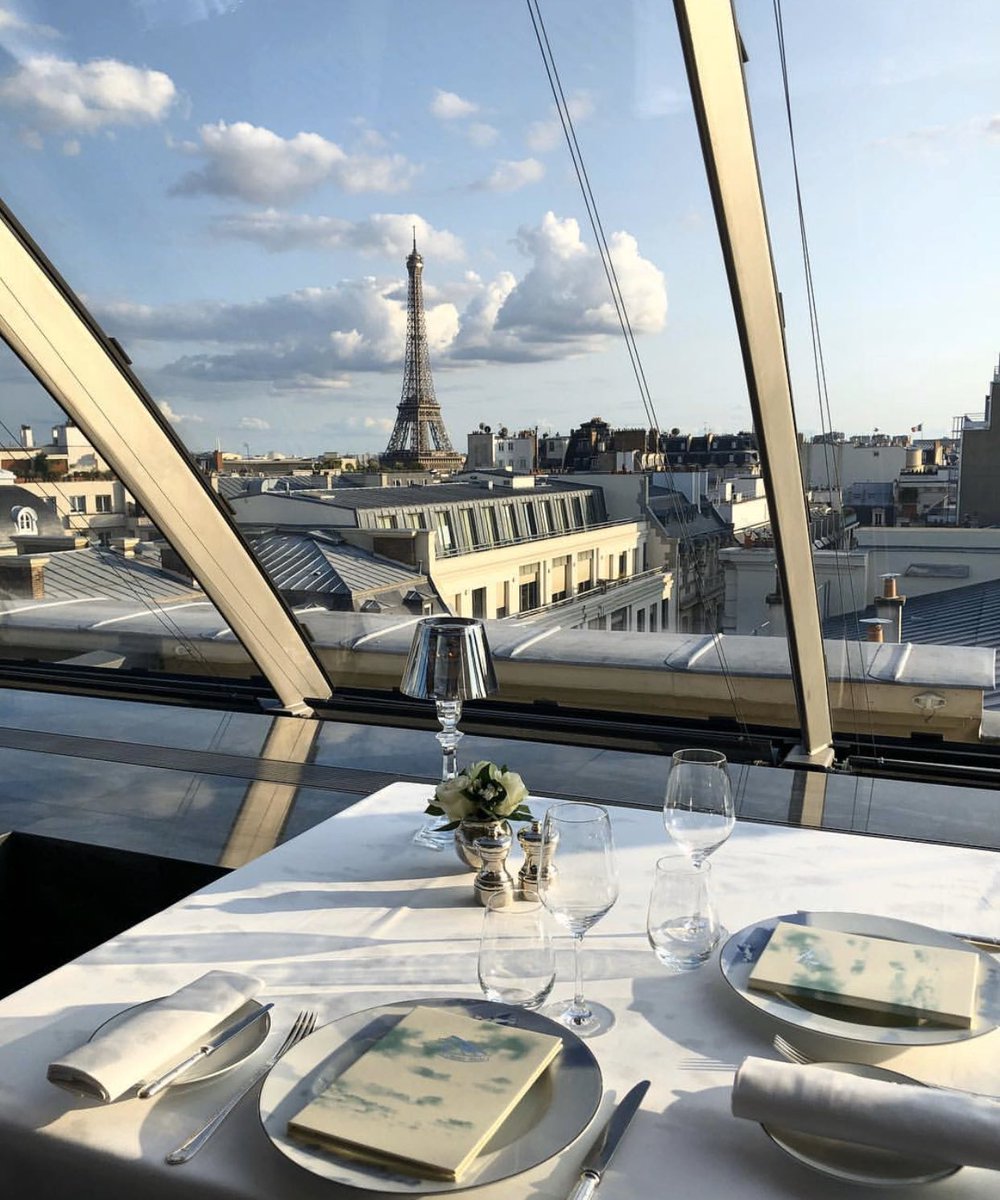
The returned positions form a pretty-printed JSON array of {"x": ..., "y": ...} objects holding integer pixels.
[
  {"x": 889, "y": 608},
  {"x": 27, "y": 437},
  {"x": 22, "y": 577},
  {"x": 876, "y": 628},
  {"x": 125, "y": 546}
]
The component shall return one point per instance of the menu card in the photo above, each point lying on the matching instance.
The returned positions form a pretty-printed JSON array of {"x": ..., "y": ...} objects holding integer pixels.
[
  {"x": 879, "y": 974},
  {"x": 428, "y": 1095}
]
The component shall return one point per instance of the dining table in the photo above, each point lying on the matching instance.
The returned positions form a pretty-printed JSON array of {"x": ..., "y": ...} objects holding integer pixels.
[{"x": 352, "y": 915}]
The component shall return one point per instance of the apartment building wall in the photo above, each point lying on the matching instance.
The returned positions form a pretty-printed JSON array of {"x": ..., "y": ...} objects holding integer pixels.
[
  {"x": 978, "y": 495},
  {"x": 931, "y": 558},
  {"x": 839, "y": 464},
  {"x": 506, "y": 580},
  {"x": 87, "y": 506}
]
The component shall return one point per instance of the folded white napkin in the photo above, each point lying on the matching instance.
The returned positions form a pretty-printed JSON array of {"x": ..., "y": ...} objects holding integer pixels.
[
  {"x": 929, "y": 1123},
  {"x": 150, "y": 1040}
]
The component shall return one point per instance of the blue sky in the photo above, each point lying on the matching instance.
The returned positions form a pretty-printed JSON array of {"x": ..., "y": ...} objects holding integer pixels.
[{"x": 230, "y": 184}]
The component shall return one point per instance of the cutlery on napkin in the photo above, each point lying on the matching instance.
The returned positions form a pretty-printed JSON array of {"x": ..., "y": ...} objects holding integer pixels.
[
  {"x": 948, "y": 1126},
  {"x": 226, "y": 1034},
  {"x": 151, "y": 1038}
]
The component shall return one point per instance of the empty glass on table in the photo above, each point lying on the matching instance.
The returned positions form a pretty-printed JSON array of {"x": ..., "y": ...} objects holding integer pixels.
[
  {"x": 517, "y": 961},
  {"x": 578, "y": 887},
  {"x": 682, "y": 924},
  {"x": 698, "y": 811}
]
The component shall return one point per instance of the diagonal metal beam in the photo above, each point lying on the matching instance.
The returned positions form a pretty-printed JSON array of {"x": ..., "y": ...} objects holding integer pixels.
[
  {"x": 88, "y": 375},
  {"x": 713, "y": 55}
]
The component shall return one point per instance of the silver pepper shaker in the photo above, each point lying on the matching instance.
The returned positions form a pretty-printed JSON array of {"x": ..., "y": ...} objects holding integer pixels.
[
  {"x": 530, "y": 839},
  {"x": 538, "y": 855},
  {"x": 493, "y": 878}
]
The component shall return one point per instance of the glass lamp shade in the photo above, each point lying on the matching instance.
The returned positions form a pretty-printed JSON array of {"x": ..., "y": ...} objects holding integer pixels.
[{"x": 449, "y": 660}]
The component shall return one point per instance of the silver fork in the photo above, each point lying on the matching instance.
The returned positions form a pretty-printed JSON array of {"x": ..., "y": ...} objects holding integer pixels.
[
  {"x": 801, "y": 1059},
  {"x": 304, "y": 1024},
  {"x": 792, "y": 1053}
]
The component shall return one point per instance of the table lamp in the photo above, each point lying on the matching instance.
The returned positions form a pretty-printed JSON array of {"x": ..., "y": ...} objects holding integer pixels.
[{"x": 449, "y": 662}]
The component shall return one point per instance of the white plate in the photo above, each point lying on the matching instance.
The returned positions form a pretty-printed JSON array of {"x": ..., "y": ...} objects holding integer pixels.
[
  {"x": 744, "y": 948},
  {"x": 854, "y": 1163},
  {"x": 224, "y": 1059},
  {"x": 556, "y": 1110}
]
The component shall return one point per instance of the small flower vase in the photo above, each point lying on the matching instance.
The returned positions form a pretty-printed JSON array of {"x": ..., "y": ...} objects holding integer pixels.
[{"x": 472, "y": 828}]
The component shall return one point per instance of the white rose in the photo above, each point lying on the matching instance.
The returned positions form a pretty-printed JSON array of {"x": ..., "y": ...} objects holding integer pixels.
[
  {"x": 450, "y": 795},
  {"x": 513, "y": 785}
]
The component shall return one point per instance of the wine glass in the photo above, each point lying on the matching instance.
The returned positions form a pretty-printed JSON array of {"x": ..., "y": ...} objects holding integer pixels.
[
  {"x": 579, "y": 885},
  {"x": 698, "y": 810},
  {"x": 517, "y": 961}
]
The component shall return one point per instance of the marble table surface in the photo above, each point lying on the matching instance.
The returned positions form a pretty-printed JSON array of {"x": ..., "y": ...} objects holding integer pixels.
[{"x": 351, "y": 914}]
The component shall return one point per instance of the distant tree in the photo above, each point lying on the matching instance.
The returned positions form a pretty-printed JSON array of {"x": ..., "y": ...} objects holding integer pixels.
[
  {"x": 40, "y": 468},
  {"x": 675, "y": 432}
]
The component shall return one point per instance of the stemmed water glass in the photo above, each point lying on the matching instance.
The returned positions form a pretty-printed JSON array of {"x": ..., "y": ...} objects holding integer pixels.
[
  {"x": 698, "y": 808},
  {"x": 699, "y": 815},
  {"x": 579, "y": 885}
]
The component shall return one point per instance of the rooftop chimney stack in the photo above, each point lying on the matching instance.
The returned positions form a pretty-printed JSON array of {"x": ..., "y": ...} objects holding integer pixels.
[
  {"x": 889, "y": 608},
  {"x": 27, "y": 437},
  {"x": 876, "y": 628}
]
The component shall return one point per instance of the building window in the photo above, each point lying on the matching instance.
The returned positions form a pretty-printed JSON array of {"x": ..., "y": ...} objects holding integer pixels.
[
  {"x": 102, "y": 504},
  {"x": 479, "y": 603},
  {"x": 26, "y": 519},
  {"x": 619, "y": 620},
  {"x": 78, "y": 504},
  {"x": 640, "y": 620},
  {"x": 444, "y": 531},
  {"x": 529, "y": 512},
  {"x": 528, "y": 595},
  {"x": 623, "y": 564},
  {"x": 652, "y": 619}
]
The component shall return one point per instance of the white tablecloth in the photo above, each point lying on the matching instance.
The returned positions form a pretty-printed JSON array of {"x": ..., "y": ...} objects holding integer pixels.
[{"x": 351, "y": 914}]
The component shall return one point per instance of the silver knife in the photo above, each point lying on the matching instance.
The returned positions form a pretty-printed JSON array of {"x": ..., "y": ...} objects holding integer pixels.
[
  {"x": 157, "y": 1085},
  {"x": 596, "y": 1162}
]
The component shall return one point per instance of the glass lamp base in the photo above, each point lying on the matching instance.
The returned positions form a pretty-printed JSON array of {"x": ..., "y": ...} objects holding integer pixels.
[
  {"x": 592, "y": 1020},
  {"x": 432, "y": 836}
]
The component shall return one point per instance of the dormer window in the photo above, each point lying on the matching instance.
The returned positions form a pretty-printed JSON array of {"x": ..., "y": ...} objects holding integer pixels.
[{"x": 25, "y": 518}]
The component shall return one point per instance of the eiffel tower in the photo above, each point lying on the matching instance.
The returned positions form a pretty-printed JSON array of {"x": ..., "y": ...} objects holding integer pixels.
[{"x": 419, "y": 438}]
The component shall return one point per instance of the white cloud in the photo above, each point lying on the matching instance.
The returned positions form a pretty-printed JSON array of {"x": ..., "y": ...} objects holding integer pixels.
[
  {"x": 381, "y": 424},
  {"x": 258, "y": 165},
  {"x": 508, "y": 176},
  {"x": 305, "y": 338},
  {"x": 60, "y": 95},
  {"x": 313, "y": 339},
  {"x": 934, "y": 143},
  {"x": 258, "y": 424},
  {"x": 448, "y": 106},
  {"x": 71, "y": 147},
  {"x": 176, "y": 418},
  {"x": 184, "y": 12},
  {"x": 387, "y": 234},
  {"x": 11, "y": 23},
  {"x": 562, "y": 305},
  {"x": 543, "y": 136},
  {"x": 481, "y": 134}
]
